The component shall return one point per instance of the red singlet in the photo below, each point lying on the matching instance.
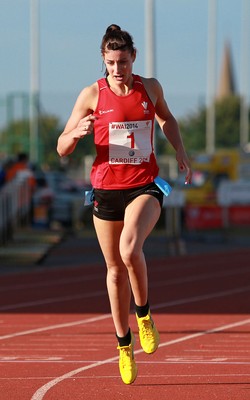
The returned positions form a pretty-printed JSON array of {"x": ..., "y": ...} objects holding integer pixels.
[{"x": 123, "y": 134}]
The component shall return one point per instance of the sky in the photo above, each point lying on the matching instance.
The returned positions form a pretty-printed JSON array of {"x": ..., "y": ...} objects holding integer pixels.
[{"x": 70, "y": 59}]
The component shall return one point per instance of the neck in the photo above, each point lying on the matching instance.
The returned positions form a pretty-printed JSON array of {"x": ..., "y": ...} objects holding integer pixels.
[{"x": 121, "y": 89}]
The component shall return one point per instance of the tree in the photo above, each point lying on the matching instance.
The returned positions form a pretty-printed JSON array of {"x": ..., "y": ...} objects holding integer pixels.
[
  {"x": 227, "y": 122},
  {"x": 193, "y": 129},
  {"x": 15, "y": 139}
]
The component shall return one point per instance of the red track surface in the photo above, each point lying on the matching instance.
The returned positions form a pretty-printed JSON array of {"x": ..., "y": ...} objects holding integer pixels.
[{"x": 57, "y": 338}]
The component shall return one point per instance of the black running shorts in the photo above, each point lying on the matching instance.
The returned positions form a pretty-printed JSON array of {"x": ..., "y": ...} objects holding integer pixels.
[{"x": 110, "y": 205}]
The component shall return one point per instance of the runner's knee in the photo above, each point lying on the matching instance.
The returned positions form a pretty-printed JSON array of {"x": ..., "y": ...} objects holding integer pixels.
[
  {"x": 115, "y": 274},
  {"x": 130, "y": 255}
]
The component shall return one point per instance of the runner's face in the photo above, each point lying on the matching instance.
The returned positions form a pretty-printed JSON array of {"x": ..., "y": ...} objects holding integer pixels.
[{"x": 119, "y": 65}]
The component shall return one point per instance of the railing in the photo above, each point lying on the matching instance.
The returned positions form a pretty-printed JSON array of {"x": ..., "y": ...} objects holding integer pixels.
[{"x": 15, "y": 207}]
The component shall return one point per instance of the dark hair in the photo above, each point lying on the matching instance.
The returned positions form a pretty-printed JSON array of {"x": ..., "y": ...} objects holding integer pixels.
[{"x": 117, "y": 39}]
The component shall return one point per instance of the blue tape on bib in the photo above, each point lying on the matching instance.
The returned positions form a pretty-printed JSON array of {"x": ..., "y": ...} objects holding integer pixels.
[{"x": 163, "y": 185}]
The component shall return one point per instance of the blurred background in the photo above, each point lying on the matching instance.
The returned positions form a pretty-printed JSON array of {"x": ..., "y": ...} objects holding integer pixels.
[{"x": 197, "y": 49}]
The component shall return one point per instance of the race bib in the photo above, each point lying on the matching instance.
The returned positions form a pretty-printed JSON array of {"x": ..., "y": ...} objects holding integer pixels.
[{"x": 130, "y": 142}]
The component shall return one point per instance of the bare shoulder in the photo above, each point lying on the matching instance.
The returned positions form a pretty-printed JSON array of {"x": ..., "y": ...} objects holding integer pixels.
[
  {"x": 153, "y": 88},
  {"x": 89, "y": 96}
]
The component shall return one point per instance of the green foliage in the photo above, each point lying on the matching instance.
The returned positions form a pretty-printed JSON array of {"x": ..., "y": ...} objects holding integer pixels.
[
  {"x": 161, "y": 145},
  {"x": 193, "y": 130},
  {"x": 227, "y": 123},
  {"x": 49, "y": 130},
  {"x": 15, "y": 138},
  {"x": 84, "y": 147}
]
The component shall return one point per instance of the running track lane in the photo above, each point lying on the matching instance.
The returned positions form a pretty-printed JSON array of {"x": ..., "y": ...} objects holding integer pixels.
[{"x": 57, "y": 339}]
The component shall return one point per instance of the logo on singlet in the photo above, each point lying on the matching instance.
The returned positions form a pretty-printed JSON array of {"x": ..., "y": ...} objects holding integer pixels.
[
  {"x": 105, "y": 111},
  {"x": 145, "y": 106}
]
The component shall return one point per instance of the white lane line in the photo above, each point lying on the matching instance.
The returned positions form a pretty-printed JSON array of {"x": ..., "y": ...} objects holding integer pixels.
[
  {"x": 200, "y": 277},
  {"x": 194, "y": 278},
  {"x": 58, "y": 326},
  {"x": 53, "y": 282},
  {"x": 185, "y": 300},
  {"x": 167, "y": 376},
  {"x": 64, "y": 362},
  {"x": 41, "y": 392},
  {"x": 53, "y": 300},
  {"x": 207, "y": 296},
  {"x": 94, "y": 277}
]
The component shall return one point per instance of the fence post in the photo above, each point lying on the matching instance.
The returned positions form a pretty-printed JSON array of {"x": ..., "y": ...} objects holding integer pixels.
[{"x": 173, "y": 221}]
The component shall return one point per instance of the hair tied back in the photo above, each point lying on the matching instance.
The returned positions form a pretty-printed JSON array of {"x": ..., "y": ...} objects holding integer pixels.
[{"x": 112, "y": 28}]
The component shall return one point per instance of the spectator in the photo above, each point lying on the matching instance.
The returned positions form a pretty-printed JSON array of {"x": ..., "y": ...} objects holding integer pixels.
[{"x": 21, "y": 169}]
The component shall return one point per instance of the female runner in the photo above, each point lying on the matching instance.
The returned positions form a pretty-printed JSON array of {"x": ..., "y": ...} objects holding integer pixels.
[{"x": 119, "y": 111}]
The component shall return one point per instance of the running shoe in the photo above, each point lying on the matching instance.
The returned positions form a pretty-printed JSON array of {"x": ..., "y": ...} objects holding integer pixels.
[
  {"x": 149, "y": 336},
  {"x": 127, "y": 365}
]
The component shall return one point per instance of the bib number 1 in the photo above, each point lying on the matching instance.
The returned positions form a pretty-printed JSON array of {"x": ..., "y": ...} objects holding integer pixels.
[{"x": 130, "y": 142}]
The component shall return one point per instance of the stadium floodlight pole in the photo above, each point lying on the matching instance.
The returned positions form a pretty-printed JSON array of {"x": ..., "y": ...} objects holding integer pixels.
[
  {"x": 149, "y": 38},
  {"x": 245, "y": 32},
  {"x": 34, "y": 80},
  {"x": 150, "y": 44},
  {"x": 211, "y": 77}
]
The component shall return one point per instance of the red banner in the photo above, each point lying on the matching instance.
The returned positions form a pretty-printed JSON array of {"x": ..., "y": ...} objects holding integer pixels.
[{"x": 211, "y": 217}]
